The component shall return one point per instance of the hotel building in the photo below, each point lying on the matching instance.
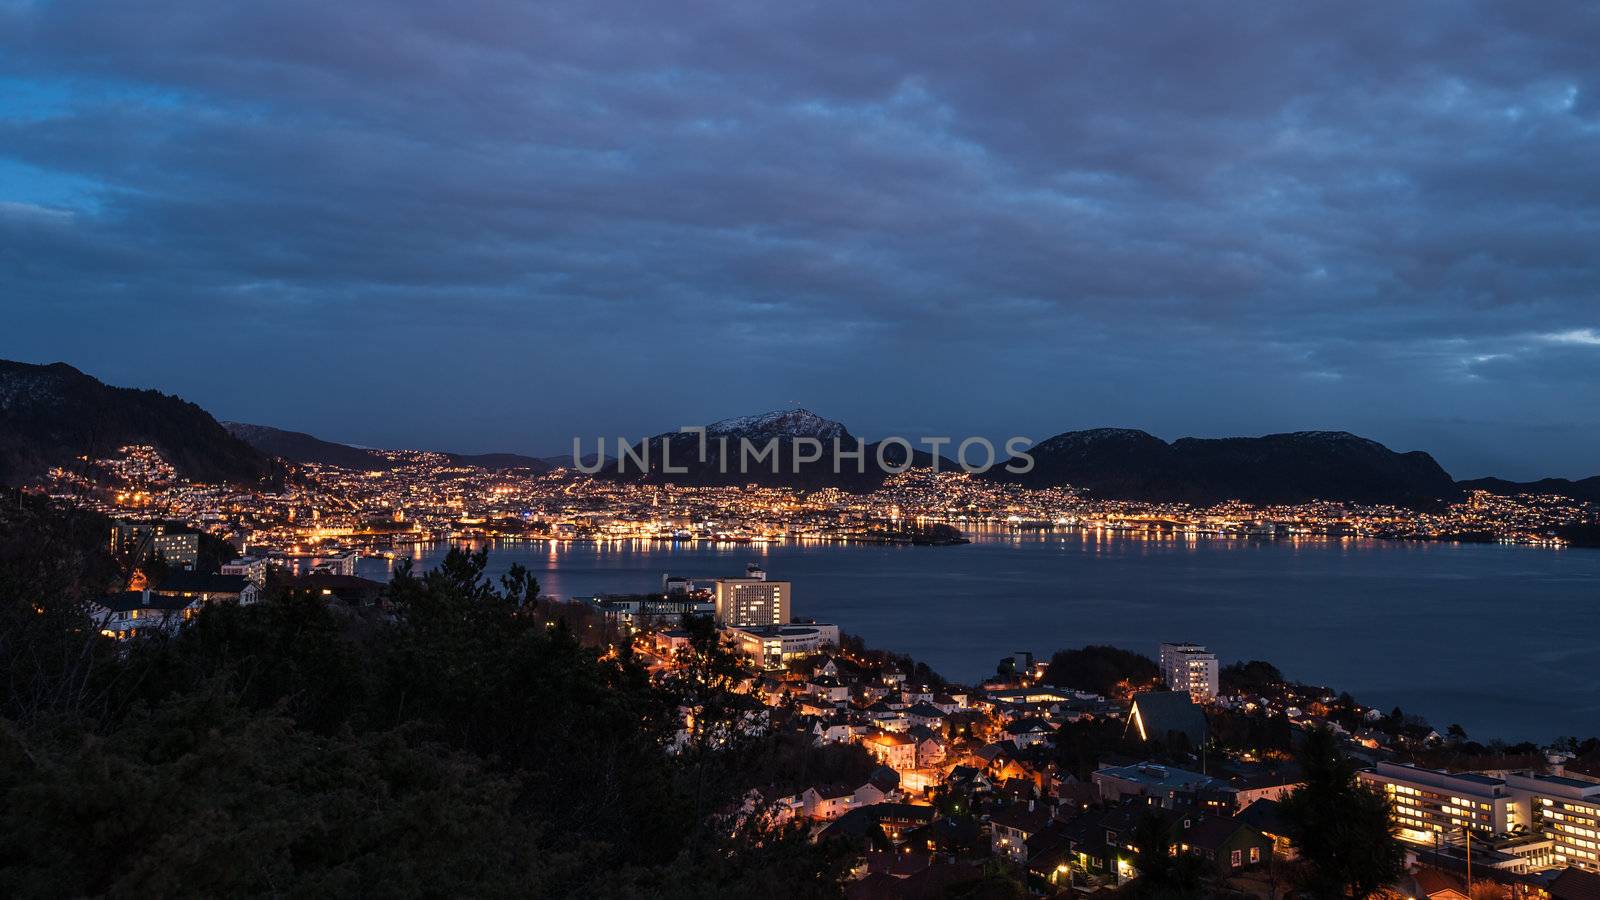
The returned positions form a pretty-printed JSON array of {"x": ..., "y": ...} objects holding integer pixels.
[{"x": 752, "y": 600}]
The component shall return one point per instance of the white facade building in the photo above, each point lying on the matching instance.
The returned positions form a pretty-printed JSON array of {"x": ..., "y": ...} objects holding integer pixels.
[
  {"x": 1192, "y": 668},
  {"x": 770, "y": 646},
  {"x": 742, "y": 602},
  {"x": 1434, "y": 808}
]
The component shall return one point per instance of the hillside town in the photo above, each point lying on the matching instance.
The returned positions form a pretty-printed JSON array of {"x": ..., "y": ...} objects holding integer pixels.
[
  {"x": 422, "y": 497},
  {"x": 1063, "y": 774}
]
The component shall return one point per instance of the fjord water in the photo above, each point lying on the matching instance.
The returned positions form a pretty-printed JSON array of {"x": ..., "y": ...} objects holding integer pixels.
[{"x": 1502, "y": 640}]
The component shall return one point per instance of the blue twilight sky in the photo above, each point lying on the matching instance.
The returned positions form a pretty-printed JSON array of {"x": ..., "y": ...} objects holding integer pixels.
[{"x": 494, "y": 225}]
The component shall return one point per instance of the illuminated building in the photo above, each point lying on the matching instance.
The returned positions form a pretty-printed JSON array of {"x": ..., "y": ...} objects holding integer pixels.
[
  {"x": 1164, "y": 715},
  {"x": 133, "y": 613},
  {"x": 897, "y": 751},
  {"x": 180, "y": 550},
  {"x": 1566, "y": 810},
  {"x": 771, "y": 646},
  {"x": 641, "y": 611},
  {"x": 1428, "y": 803},
  {"x": 1550, "y": 820},
  {"x": 752, "y": 600},
  {"x": 1190, "y": 667},
  {"x": 253, "y": 568}
]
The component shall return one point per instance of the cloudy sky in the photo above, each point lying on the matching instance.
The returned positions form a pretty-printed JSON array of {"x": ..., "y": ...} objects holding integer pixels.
[{"x": 492, "y": 226}]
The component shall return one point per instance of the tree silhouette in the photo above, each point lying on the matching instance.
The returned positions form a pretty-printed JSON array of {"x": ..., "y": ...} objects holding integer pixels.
[{"x": 1342, "y": 828}]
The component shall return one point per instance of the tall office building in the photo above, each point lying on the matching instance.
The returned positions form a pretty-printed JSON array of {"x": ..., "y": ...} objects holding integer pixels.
[
  {"x": 750, "y": 601},
  {"x": 1190, "y": 667}
]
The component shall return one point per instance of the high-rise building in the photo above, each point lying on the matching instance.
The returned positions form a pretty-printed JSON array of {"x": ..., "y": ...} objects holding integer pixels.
[
  {"x": 1190, "y": 667},
  {"x": 749, "y": 601}
]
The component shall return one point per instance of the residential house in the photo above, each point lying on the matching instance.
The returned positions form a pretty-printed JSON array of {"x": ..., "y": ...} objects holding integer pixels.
[
  {"x": 930, "y": 747},
  {"x": 1575, "y": 884},
  {"x": 1266, "y": 816},
  {"x": 927, "y": 715},
  {"x": 1226, "y": 843},
  {"x": 349, "y": 589},
  {"x": 828, "y": 688},
  {"x": 1010, "y": 829},
  {"x": 1029, "y": 732},
  {"x": 827, "y": 801},
  {"x": 897, "y": 751},
  {"x": 1265, "y": 786},
  {"x": 131, "y": 614}
]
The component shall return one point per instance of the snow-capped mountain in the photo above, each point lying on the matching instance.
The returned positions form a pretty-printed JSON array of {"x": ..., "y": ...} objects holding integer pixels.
[
  {"x": 780, "y": 423},
  {"x": 729, "y": 443}
]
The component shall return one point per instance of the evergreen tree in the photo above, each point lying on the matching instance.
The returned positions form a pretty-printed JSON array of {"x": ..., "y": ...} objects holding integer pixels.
[{"x": 1341, "y": 828}]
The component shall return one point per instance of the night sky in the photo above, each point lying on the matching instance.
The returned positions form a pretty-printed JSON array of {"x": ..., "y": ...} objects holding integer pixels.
[{"x": 492, "y": 226}]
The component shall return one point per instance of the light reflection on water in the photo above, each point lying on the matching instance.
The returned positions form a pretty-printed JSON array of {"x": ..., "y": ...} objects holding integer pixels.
[{"x": 1503, "y": 640}]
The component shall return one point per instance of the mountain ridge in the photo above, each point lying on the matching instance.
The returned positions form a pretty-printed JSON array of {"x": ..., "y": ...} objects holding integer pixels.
[
  {"x": 1281, "y": 468},
  {"x": 1577, "y": 489},
  {"x": 300, "y": 447},
  {"x": 52, "y": 414}
]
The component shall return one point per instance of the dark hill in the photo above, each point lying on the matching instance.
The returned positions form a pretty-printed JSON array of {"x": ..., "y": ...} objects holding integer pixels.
[
  {"x": 501, "y": 461},
  {"x": 1125, "y": 464},
  {"x": 1582, "y": 489},
  {"x": 299, "y": 447},
  {"x": 50, "y": 415}
]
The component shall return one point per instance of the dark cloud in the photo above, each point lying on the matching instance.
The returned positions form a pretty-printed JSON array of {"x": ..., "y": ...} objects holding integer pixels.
[{"x": 492, "y": 225}]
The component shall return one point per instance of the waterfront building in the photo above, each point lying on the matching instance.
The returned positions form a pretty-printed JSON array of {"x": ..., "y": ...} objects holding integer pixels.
[
  {"x": 339, "y": 562},
  {"x": 1190, "y": 667},
  {"x": 752, "y": 600}
]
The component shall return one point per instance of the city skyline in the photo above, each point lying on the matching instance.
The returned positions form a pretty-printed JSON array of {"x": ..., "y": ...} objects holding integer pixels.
[{"x": 507, "y": 227}]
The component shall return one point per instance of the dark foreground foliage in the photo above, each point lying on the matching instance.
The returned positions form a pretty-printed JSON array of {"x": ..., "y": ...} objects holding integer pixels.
[{"x": 455, "y": 745}]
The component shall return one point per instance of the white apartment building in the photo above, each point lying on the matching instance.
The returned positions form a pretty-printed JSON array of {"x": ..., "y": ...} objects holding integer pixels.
[
  {"x": 1433, "y": 808},
  {"x": 1565, "y": 809},
  {"x": 1190, "y": 667},
  {"x": 252, "y": 568}
]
